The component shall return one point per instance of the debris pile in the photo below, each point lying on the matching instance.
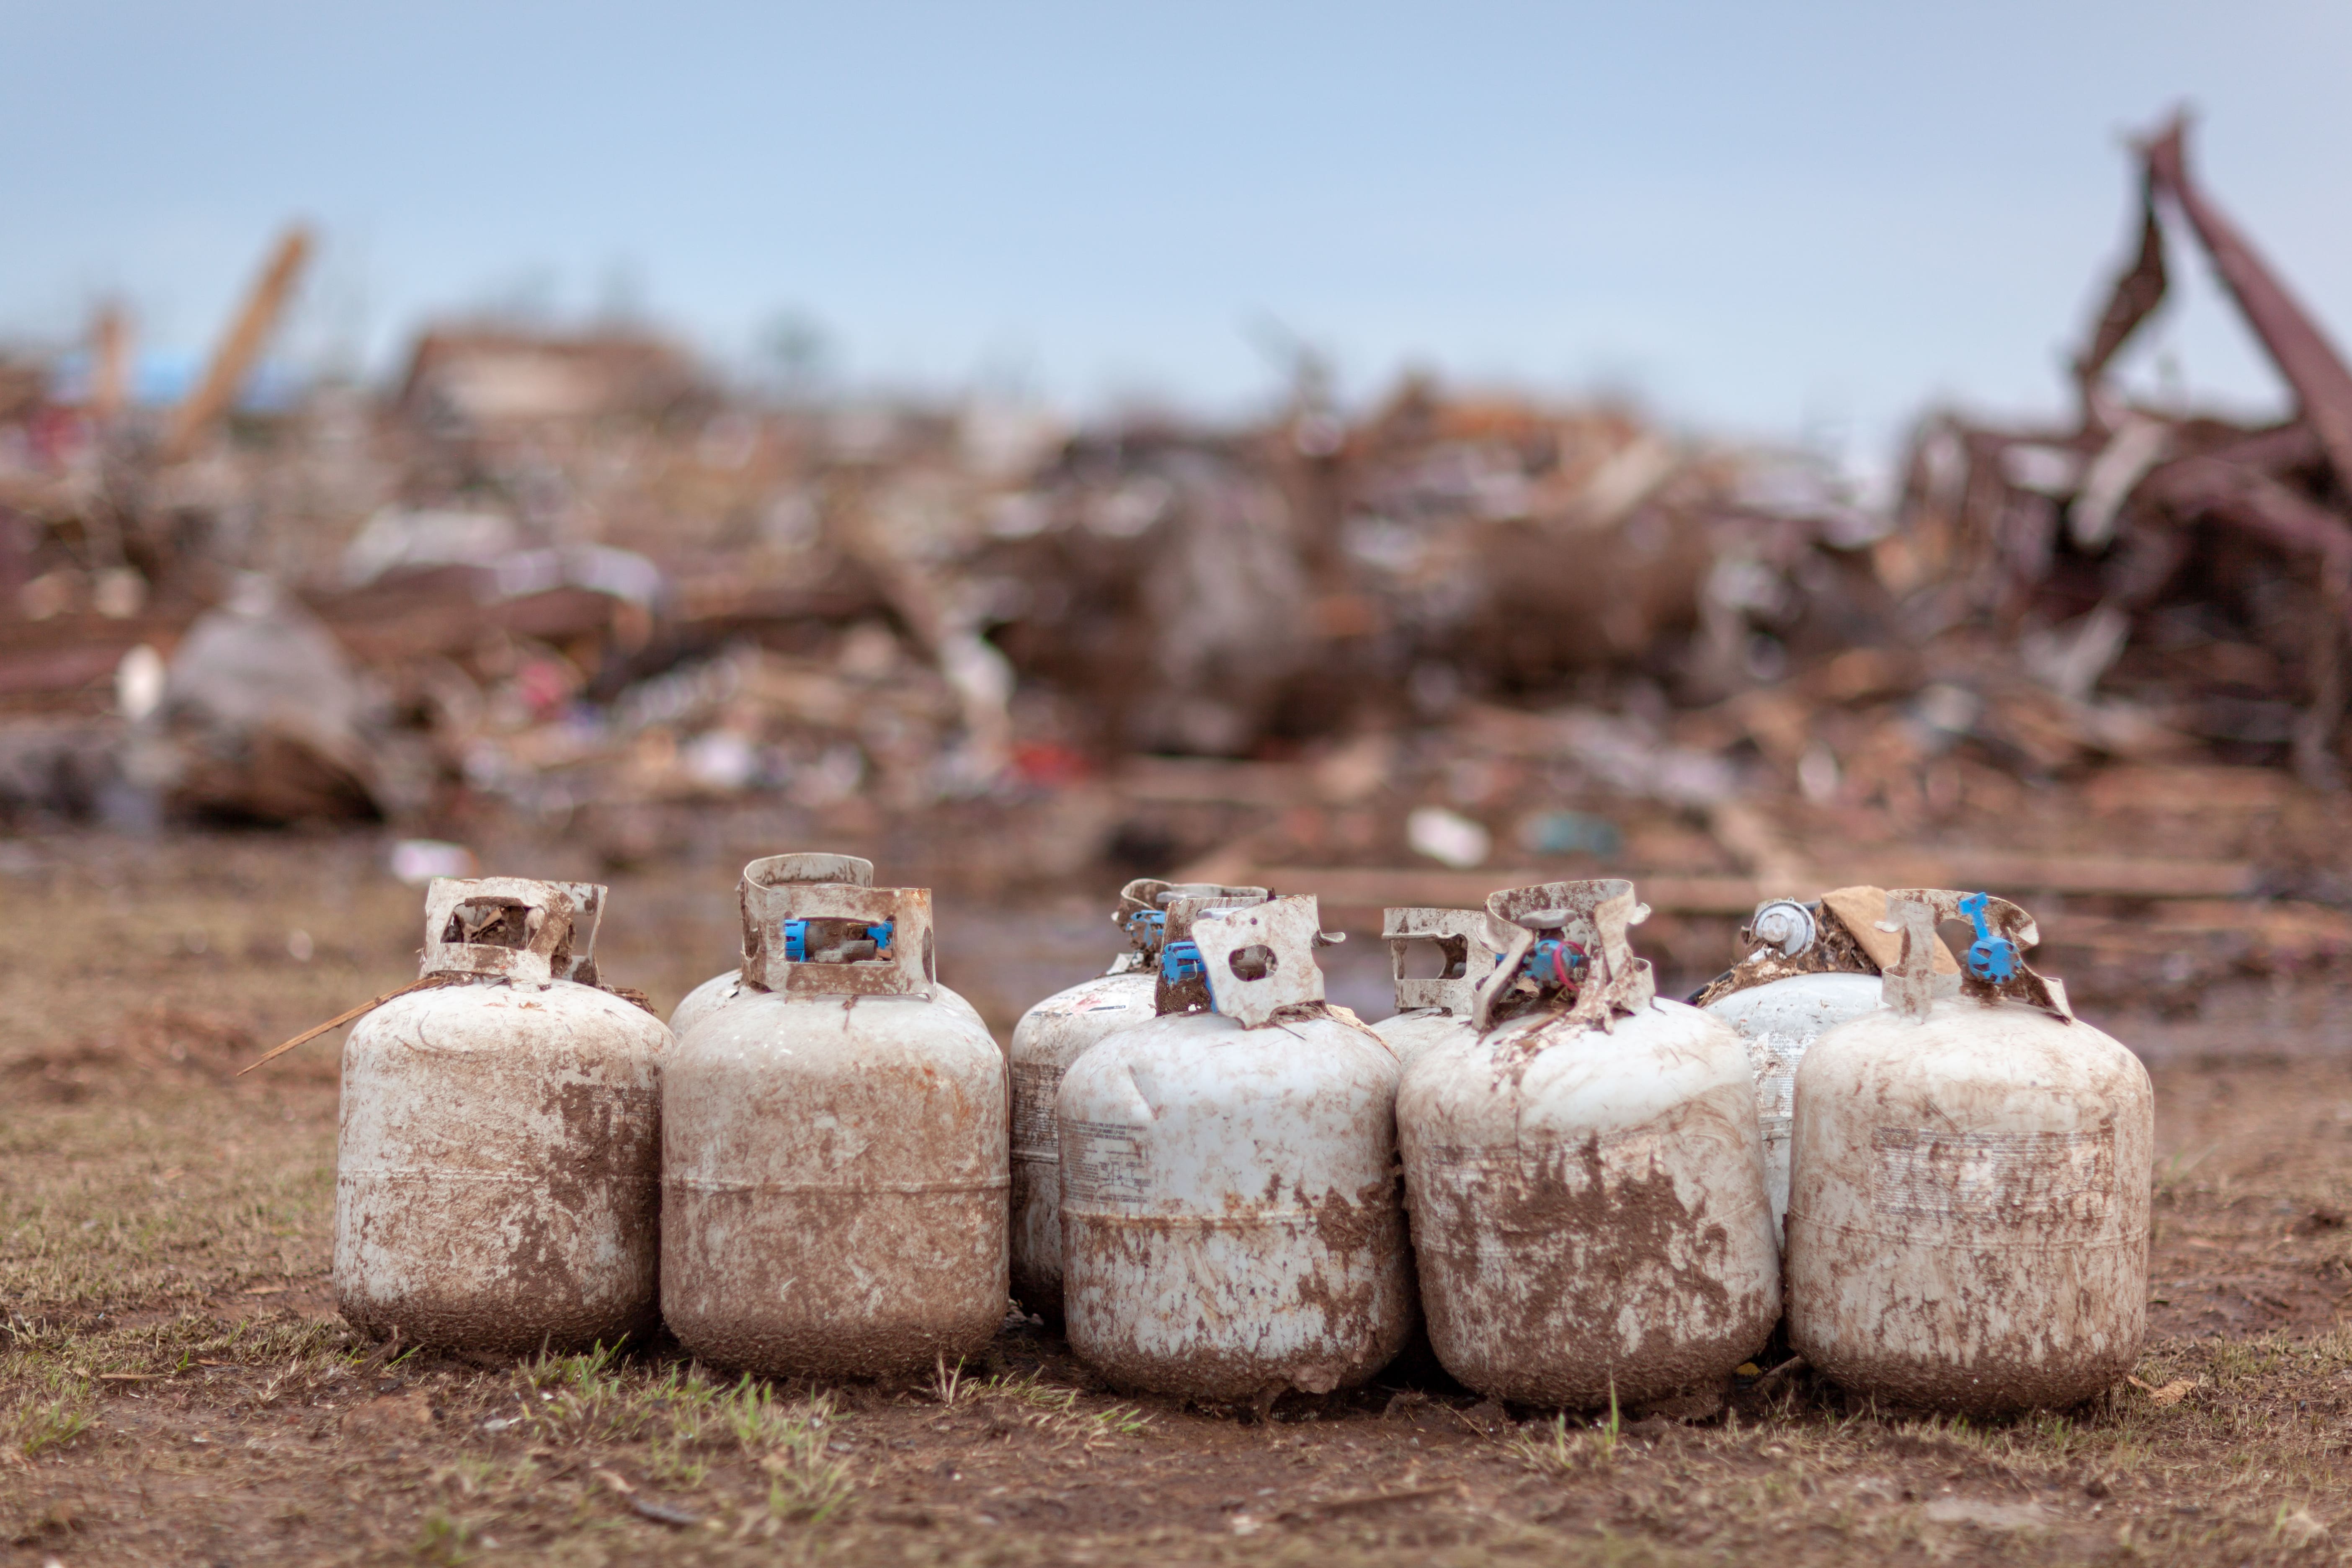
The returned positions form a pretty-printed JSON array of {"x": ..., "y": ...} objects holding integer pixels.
[
  {"x": 579, "y": 579},
  {"x": 2189, "y": 572}
]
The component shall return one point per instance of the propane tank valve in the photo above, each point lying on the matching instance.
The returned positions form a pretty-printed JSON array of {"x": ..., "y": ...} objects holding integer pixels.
[
  {"x": 1180, "y": 962},
  {"x": 1784, "y": 925},
  {"x": 796, "y": 941},
  {"x": 1991, "y": 957},
  {"x": 1556, "y": 961}
]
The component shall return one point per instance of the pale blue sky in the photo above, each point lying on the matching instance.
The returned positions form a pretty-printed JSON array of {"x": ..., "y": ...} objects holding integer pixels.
[{"x": 1768, "y": 218}]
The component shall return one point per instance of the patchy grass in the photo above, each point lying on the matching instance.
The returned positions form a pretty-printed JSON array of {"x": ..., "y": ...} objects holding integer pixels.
[
  {"x": 174, "y": 1386},
  {"x": 1055, "y": 1410},
  {"x": 54, "y": 1412},
  {"x": 1557, "y": 1449}
]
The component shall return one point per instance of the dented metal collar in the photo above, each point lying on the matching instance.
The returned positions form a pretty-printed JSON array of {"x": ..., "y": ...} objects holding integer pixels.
[{"x": 1597, "y": 915}]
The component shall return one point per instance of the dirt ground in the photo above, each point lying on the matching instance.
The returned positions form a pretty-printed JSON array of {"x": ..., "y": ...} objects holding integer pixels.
[{"x": 175, "y": 1387}]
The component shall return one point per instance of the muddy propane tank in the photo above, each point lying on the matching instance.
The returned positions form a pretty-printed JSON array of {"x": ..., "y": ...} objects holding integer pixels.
[
  {"x": 849, "y": 869},
  {"x": 1432, "y": 1011},
  {"x": 1587, "y": 1179},
  {"x": 1230, "y": 1220},
  {"x": 1808, "y": 967},
  {"x": 834, "y": 1146},
  {"x": 498, "y": 1164},
  {"x": 1968, "y": 1219},
  {"x": 1056, "y": 1033}
]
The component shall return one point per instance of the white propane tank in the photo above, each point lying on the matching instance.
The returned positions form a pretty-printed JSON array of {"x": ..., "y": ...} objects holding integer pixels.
[
  {"x": 1587, "y": 1179},
  {"x": 498, "y": 1162},
  {"x": 1806, "y": 970},
  {"x": 721, "y": 989},
  {"x": 1429, "y": 1011},
  {"x": 833, "y": 1145},
  {"x": 1231, "y": 1222},
  {"x": 1049, "y": 1038},
  {"x": 713, "y": 993},
  {"x": 1968, "y": 1224},
  {"x": 1776, "y": 1021}
]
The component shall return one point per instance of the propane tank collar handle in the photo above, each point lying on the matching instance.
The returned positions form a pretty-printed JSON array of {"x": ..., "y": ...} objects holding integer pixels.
[
  {"x": 1137, "y": 898},
  {"x": 1459, "y": 935},
  {"x": 1994, "y": 966},
  {"x": 538, "y": 933},
  {"x": 1259, "y": 958},
  {"x": 1144, "y": 904},
  {"x": 1183, "y": 985},
  {"x": 810, "y": 866},
  {"x": 777, "y": 939},
  {"x": 1598, "y": 916}
]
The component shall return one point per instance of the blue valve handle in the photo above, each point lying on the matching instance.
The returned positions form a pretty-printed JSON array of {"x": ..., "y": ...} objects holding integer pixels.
[
  {"x": 1554, "y": 961},
  {"x": 796, "y": 940},
  {"x": 1558, "y": 961},
  {"x": 1147, "y": 928},
  {"x": 1180, "y": 962},
  {"x": 1989, "y": 957}
]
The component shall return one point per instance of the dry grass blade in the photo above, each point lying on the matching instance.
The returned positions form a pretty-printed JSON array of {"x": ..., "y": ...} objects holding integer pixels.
[
  {"x": 339, "y": 1019},
  {"x": 1771, "y": 1380}
]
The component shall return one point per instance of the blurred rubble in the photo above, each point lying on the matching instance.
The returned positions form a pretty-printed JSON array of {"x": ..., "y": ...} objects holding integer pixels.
[{"x": 576, "y": 581}]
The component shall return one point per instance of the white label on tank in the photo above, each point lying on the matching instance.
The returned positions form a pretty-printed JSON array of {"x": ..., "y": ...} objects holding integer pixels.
[
  {"x": 1109, "y": 1165},
  {"x": 1034, "y": 1084},
  {"x": 1932, "y": 1173}
]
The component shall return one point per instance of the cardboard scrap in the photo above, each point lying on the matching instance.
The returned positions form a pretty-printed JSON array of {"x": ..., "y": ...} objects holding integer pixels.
[{"x": 1860, "y": 911}]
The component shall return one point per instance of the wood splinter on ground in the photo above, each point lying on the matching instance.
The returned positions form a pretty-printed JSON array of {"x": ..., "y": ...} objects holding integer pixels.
[{"x": 2171, "y": 1394}]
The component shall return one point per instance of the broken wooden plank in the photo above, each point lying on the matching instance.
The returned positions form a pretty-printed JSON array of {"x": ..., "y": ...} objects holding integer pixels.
[
  {"x": 233, "y": 360},
  {"x": 2322, "y": 381}
]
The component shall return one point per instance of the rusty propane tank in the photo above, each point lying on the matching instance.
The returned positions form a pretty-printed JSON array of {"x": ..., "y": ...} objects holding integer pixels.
[
  {"x": 1968, "y": 1217},
  {"x": 1432, "y": 1011},
  {"x": 1231, "y": 1222},
  {"x": 497, "y": 1166},
  {"x": 1049, "y": 1038},
  {"x": 1808, "y": 967},
  {"x": 1586, "y": 1176},
  {"x": 834, "y": 1144},
  {"x": 849, "y": 870}
]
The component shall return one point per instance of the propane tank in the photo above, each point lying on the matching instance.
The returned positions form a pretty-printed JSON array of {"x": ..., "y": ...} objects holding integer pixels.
[
  {"x": 1586, "y": 1175},
  {"x": 849, "y": 869},
  {"x": 1049, "y": 1038},
  {"x": 1968, "y": 1224},
  {"x": 834, "y": 1144},
  {"x": 1808, "y": 967},
  {"x": 1431, "y": 1012},
  {"x": 1231, "y": 1222},
  {"x": 498, "y": 1162}
]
